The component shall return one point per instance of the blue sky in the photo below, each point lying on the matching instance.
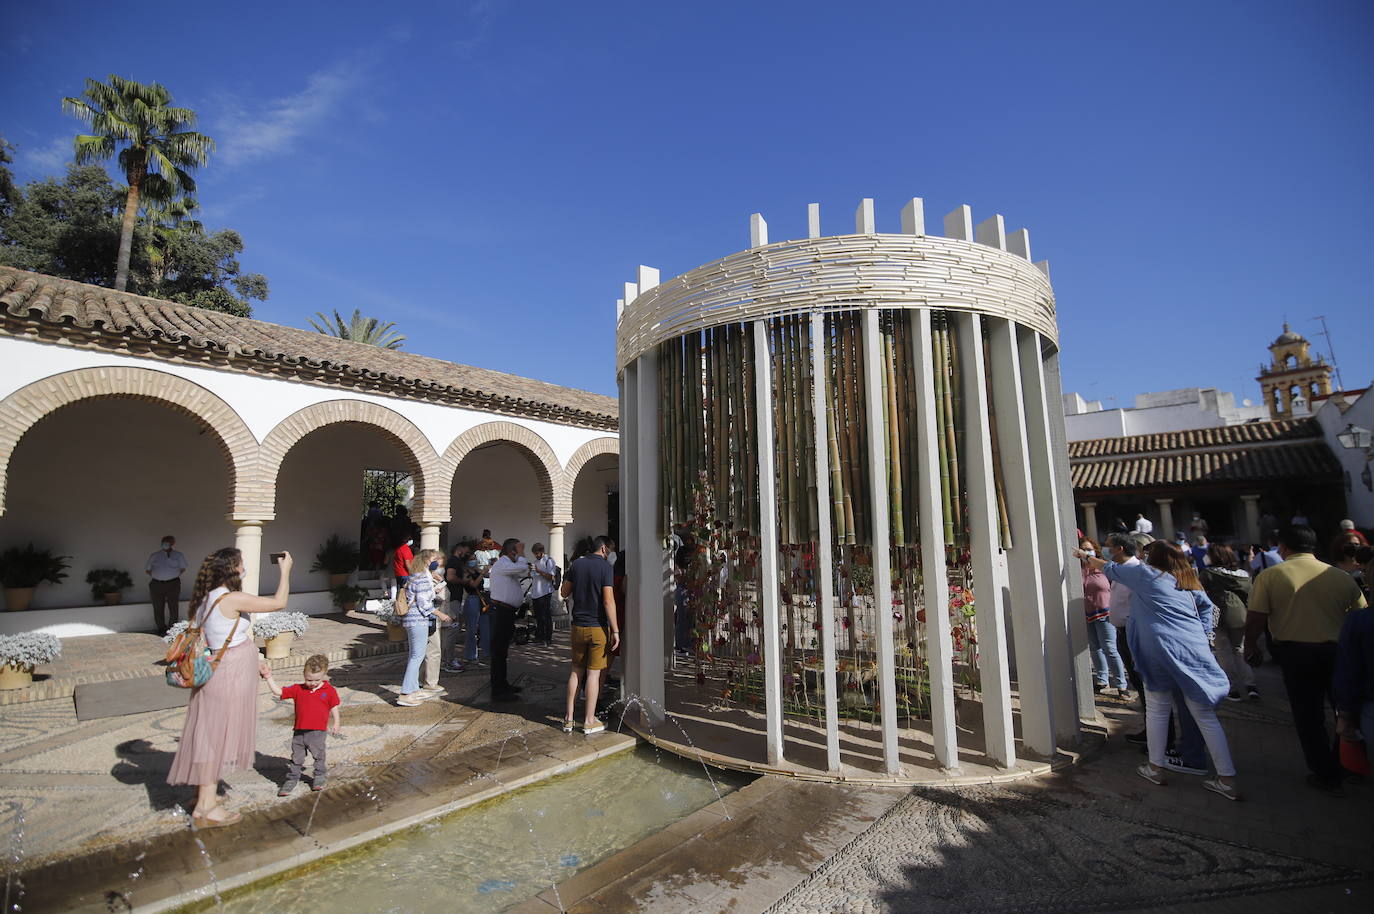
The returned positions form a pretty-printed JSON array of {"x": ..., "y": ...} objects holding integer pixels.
[{"x": 486, "y": 174}]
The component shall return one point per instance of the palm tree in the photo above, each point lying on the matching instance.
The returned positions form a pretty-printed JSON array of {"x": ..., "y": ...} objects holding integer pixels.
[
  {"x": 359, "y": 329},
  {"x": 166, "y": 222},
  {"x": 160, "y": 149}
]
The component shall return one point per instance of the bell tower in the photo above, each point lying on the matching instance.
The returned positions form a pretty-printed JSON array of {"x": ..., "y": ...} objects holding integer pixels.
[{"x": 1293, "y": 379}]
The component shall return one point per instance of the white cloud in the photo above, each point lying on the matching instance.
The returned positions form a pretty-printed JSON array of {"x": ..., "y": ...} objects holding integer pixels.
[
  {"x": 49, "y": 158},
  {"x": 245, "y": 135}
]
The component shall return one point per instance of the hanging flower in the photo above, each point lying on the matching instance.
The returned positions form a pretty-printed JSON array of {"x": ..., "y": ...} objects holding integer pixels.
[
  {"x": 897, "y": 616},
  {"x": 920, "y": 615}
]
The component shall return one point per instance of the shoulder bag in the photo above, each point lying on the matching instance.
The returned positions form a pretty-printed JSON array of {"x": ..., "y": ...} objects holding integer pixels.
[{"x": 189, "y": 661}]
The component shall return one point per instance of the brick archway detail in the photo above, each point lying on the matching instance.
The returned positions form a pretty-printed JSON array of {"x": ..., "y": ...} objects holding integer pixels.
[
  {"x": 420, "y": 458},
  {"x": 580, "y": 458},
  {"x": 24, "y": 408},
  {"x": 536, "y": 450}
]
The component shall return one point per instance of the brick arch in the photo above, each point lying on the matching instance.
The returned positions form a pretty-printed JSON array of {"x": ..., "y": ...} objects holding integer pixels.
[
  {"x": 594, "y": 448},
  {"x": 420, "y": 458},
  {"x": 541, "y": 457},
  {"x": 21, "y": 410}
]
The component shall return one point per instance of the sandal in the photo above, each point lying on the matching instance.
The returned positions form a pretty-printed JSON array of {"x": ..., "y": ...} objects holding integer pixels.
[
  {"x": 199, "y": 821},
  {"x": 594, "y": 729},
  {"x": 567, "y": 726}
]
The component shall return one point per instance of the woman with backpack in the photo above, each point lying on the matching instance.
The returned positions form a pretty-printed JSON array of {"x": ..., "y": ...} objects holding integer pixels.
[
  {"x": 1228, "y": 587},
  {"x": 221, "y": 729}
]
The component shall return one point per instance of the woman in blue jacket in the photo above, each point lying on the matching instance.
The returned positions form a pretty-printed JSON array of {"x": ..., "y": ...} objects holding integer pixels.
[{"x": 1171, "y": 618}]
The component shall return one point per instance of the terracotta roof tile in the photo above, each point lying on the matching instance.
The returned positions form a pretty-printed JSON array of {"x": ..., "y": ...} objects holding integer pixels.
[
  {"x": 1310, "y": 459},
  {"x": 1249, "y": 432},
  {"x": 104, "y": 313}
]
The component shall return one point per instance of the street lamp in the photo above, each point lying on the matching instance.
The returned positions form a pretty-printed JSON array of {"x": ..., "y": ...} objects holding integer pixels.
[{"x": 1355, "y": 437}]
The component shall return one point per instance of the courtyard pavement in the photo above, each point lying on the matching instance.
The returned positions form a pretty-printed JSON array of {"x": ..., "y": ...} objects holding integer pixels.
[{"x": 86, "y": 800}]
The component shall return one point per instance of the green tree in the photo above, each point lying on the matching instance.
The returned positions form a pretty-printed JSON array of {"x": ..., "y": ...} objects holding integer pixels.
[
  {"x": 159, "y": 149},
  {"x": 359, "y": 329},
  {"x": 7, "y": 188},
  {"x": 67, "y": 228}
]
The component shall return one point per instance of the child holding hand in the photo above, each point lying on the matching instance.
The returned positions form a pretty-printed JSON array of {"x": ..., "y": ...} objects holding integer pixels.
[{"x": 317, "y": 708}]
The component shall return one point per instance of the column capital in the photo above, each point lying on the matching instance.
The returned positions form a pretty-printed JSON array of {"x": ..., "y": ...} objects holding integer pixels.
[
  {"x": 1250, "y": 497},
  {"x": 241, "y": 522},
  {"x": 1088, "y": 504},
  {"x": 1164, "y": 501}
]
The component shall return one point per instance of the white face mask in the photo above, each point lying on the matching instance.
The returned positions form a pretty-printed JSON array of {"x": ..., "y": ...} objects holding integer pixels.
[
  {"x": 1089, "y": 552},
  {"x": 611, "y": 557}
]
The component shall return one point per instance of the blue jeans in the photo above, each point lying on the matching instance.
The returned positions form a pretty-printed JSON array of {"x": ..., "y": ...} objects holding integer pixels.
[
  {"x": 418, "y": 636},
  {"x": 479, "y": 627},
  {"x": 1106, "y": 659}
]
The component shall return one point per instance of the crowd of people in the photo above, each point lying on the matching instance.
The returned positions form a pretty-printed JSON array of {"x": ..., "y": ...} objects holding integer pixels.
[
  {"x": 1185, "y": 626},
  {"x": 473, "y": 596}
]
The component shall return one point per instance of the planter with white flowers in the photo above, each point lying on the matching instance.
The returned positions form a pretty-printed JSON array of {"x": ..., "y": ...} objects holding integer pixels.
[
  {"x": 19, "y": 654},
  {"x": 278, "y": 630},
  {"x": 395, "y": 629}
]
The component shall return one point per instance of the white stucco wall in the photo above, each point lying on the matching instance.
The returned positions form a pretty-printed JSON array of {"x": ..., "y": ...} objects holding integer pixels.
[
  {"x": 495, "y": 489},
  {"x": 264, "y": 402},
  {"x": 589, "y": 499},
  {"x": 103, "y": 481},
  {"x": 1359, "y": 500}
]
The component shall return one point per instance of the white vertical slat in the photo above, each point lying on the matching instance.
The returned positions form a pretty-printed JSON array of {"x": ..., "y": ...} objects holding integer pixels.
[
  {"x": 647, "y": 549},
  {"x": 629, "y": 509},
  {"x": 1055, "y": 553},
  {"x": 768, "y": 543},
  {"x": 878, "y": 512},
  {"x": 1078, "y": 627},
  {"x": 985, "y": 544},
  {"x": 939, "y": 641},
  {"x": 1027, "y": 607},
  {"x": 825, "y": 548}
]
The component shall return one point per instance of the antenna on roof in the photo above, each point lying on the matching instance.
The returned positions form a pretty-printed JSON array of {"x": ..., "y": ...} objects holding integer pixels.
[{"x": 1335, "y": 369}]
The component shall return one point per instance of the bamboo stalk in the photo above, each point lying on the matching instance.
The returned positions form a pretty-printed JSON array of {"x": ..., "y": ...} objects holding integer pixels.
[
  {"x": 955, "y": 521},
  {"x": 894, "y": 444}
]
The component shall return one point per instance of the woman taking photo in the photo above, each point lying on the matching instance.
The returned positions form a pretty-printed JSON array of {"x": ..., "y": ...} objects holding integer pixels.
[
  {"x": 220, "y": 734},
  {"x": 1167, "y": 633}
]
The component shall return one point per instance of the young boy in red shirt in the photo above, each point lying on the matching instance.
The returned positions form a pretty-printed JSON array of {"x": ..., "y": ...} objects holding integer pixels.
[{"x": 317, "y": 708}]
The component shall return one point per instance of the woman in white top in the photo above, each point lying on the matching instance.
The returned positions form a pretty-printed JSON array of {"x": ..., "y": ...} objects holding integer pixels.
[{"x": 220, "y": 734}]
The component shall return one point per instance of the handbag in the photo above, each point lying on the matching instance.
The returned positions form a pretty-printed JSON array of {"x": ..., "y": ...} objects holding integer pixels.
[{"x": 190, "y": 664}]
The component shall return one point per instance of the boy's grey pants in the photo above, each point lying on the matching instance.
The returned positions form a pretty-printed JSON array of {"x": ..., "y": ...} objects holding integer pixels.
[{"x": 301, "y": 742}]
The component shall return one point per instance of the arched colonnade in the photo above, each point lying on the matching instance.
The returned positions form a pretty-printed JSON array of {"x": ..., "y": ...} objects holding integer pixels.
[{"x": 254, "y": 465}]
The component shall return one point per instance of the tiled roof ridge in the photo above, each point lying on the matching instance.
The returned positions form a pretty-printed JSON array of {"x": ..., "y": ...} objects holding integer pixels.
[
  {"x": 1246, "y": 433},
  {"x": 103, "y": 312}
]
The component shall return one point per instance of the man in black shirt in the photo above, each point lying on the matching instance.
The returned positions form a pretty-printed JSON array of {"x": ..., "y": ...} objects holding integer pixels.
[{"x": 595, "y": 629}]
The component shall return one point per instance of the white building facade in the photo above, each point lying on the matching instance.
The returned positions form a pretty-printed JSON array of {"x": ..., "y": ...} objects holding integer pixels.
[{"x": 123, "y": 419}]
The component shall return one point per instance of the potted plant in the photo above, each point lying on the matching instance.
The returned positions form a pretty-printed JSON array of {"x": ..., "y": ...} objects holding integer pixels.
[
  {"x": 346, "y": 596},
  {"x": 19, "y": 654},
  {"x": 108, "y": 584},
  {"x": 278, "y": 630},
  {"x": 21, "y": 570},
  {"x": 338, "y": 557},
  {"x": 395, "y": 629}
]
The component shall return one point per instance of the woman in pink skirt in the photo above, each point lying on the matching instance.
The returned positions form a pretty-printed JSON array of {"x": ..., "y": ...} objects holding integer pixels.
[{"x": 220, "y": 735}]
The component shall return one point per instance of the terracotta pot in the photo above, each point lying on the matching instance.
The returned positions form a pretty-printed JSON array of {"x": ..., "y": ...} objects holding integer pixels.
[
  {"x": 17, "y": 598},
  {"x": 112, "y": 598},
  {"x": 395, "y": 632},
  {"x": 349, "y": 607},
  {"x": 279, "y": 646},
  {"x": 15, "y": 677},
  {"x": 336, "y": 579}
]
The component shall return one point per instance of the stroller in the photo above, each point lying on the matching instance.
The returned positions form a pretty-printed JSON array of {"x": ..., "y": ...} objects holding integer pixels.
[{"x": 524, "y": 618}]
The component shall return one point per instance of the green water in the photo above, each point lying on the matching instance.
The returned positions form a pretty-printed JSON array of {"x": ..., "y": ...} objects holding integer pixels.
[{"x": 504, "y": 851}]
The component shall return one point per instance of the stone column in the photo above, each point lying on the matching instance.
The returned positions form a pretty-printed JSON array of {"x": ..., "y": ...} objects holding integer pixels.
[
  {"x": 1252, "y": 517},
  {"x": 555, "y": 545},
  {"x": 1166, "y": 529},
  {"x": 1090, "y": 519},
  {"x": 248, "y": 540},
  {"x": 429, "y": 535}
]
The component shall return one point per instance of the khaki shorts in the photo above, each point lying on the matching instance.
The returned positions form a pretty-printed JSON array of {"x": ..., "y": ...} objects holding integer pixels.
[{"x": 589, "y": 647}]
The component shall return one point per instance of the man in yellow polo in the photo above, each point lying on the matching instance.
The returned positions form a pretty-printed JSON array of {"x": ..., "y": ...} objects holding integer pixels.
[{"x": 1304, "y": 601}]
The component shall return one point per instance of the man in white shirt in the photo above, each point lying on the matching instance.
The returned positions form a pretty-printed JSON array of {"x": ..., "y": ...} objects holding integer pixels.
[
  {"x": 1143, "y": 524},
  {"x": 542, "y": 571},
  {"x": 506, "y": 596},
  {"x": 164, "y": 569}
]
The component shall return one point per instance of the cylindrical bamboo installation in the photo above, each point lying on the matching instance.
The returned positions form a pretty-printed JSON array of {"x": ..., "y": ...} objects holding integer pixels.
[{"x": 907, "y": 351}]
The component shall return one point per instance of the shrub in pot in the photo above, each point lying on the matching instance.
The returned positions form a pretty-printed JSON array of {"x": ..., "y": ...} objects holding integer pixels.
[
  {"x": 278, "y": 630},
  {"x": 395, "y": 630},
  {"x": 108, "y": 584},
  {"x": 21, "y": 570},
  {"x": 346, "y": 596},
  {"x": 19, "y": 654},
  {"x": 337, "y": 557}
]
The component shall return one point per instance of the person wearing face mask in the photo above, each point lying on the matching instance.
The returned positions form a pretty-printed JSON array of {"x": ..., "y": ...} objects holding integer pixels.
[
  {"x": 1108, "y": 668},
  {"x": 421, "y": 622},
  {"x": 164, "y": 569}
]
